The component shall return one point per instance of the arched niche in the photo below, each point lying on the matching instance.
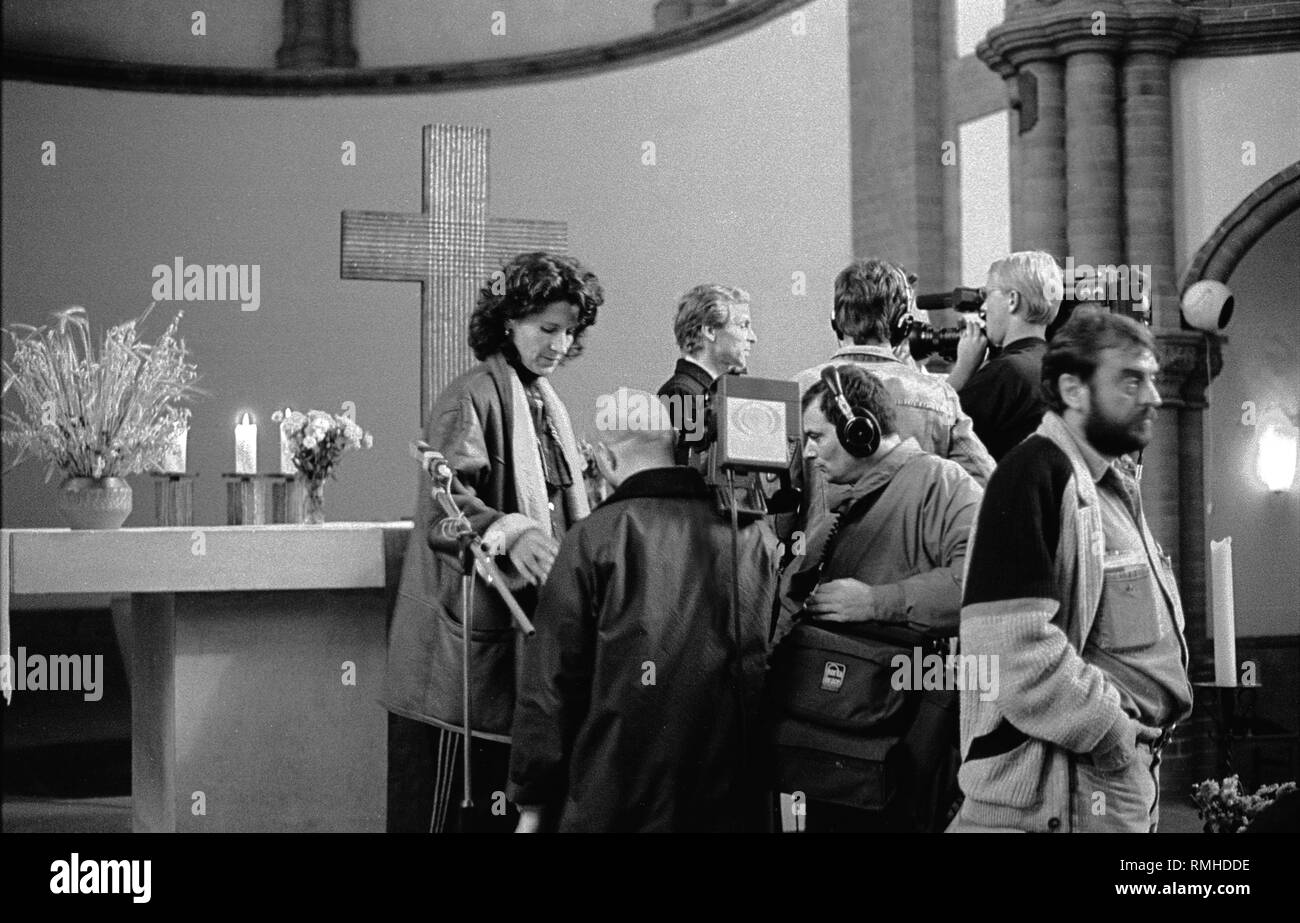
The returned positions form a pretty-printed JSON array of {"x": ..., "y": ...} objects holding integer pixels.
[{"x": 1244, "y": 226}]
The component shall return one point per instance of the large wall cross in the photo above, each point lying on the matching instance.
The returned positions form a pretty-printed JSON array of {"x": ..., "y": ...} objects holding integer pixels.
[{"x": 450, "y": 248}]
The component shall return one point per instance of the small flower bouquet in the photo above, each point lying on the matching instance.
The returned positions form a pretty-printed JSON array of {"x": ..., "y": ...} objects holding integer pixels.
[
  {"x": 597, "y": 486},
  {"x": 1226, "y": 808},
  {"x": 316, "y": 441},
  {"x": 96, "y": 411}
]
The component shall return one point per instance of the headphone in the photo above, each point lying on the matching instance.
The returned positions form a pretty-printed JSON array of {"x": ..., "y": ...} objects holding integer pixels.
[
  {"x": 900, "y": 325},
  {"x": 857, "y": 428}
]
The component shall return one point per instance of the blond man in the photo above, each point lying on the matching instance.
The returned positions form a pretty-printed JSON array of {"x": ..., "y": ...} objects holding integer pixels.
[{"x": 1003, "y": 395}]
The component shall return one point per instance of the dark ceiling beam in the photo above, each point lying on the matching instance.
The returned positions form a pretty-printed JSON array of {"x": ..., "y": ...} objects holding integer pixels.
[{"x": 729, "y": 21}]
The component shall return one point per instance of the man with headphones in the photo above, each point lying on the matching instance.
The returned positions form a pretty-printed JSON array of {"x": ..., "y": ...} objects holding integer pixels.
[
  {"x": 887, "y": 563},
  {"x": 872, "y": 298}
]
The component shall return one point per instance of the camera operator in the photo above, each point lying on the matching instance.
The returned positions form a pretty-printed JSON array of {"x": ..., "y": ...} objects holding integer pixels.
[{"x": 1002, "y": 397}]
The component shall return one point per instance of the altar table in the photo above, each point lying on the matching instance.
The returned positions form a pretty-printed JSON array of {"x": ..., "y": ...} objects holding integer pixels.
[{"x": 257, "y": 665}]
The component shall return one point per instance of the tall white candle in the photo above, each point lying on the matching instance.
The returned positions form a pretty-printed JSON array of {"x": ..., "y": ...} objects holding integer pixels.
[
  {"x": 246, "y": 445},
  {"x": 174, "y": 460},
  {"x": 1225, "y": 621},
  {"x": 286, "y": 449}
]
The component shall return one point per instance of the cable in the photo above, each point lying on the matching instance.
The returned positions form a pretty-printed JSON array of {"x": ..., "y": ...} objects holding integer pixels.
[{"x": 735, "y": 624}]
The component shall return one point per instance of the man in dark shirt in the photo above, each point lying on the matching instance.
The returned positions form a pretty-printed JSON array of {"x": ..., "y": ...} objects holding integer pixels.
[
  {"x": 715, "y": 335},
  {"x": 1003, "y": 396}
]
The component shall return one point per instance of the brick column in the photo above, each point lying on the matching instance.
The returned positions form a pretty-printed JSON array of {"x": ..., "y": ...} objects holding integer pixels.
[
  {"x": 1093, "y": 165},
  {"x": 1016, "y": 165},
  {"x": 1030, "y": 50},
  {"x": 896, "y": 118},
  {"x": 1043, "y": 182},
  {"x": 1188, "y": 360},
  {"x": 1173, "y": 494},
  {"x": 1157, "y": 29}
]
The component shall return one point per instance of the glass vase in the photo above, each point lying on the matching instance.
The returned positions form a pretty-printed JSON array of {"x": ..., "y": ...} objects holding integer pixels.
[{"x": 313, "y": 502}]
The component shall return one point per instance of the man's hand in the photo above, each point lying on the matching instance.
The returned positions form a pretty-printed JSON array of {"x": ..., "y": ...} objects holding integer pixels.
[
  {"x": 1125, "y": 751},
  {"x": 1147, "y": 734},
  {"x": 971, "y": 350},
  {"x": 843, "y": 600},
  {"x": 532, "y": 554},
  {"x": 530, "y": 819}
]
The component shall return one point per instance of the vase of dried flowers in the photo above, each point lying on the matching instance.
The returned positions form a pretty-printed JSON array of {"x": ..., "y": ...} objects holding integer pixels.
[{"x": 96, "y": 411}]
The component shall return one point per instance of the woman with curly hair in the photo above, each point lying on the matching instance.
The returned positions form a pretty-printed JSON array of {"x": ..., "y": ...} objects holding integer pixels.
[{"x": 518, "y": 479}]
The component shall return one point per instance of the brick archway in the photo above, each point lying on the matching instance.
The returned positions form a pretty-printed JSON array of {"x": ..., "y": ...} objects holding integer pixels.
[{"x": 1248, "y": 222}]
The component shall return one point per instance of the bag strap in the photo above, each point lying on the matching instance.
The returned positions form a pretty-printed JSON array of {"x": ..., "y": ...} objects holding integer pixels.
[{"x": 808, "y": 577}]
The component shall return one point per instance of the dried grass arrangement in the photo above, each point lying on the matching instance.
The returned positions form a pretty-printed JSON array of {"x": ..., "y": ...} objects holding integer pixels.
[{"x": 96, "y": 410}]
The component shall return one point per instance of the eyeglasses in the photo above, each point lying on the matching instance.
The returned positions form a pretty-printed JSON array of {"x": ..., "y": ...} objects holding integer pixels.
[{"x": 984, "y": 292}]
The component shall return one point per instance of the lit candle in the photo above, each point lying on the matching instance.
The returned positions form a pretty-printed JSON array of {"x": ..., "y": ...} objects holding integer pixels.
[
  {"x": 286, "y": 449},
  {"x": 174, "y": 460},
  {"x": 246, "y": 445},
  {"x": 1225, "y": 632}
]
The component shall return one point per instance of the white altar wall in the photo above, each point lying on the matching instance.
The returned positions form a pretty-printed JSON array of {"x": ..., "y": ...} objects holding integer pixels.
[{"x": 750, "y": 186}]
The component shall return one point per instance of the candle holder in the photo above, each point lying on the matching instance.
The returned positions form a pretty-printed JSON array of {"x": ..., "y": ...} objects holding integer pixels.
[
  {"x": 1232, "y": 711},
  {"x": 287, "y": 494},
  {"x": 246, "y": 498},
  {"x": 173, "y": 498}
]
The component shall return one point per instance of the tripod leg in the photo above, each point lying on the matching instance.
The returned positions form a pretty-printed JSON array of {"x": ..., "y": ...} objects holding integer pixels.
[
  {"x": 467, "y": 626},
  {"x": 444, "y": 775}
]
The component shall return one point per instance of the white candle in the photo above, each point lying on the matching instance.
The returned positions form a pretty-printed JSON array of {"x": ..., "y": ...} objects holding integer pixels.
[
  {"x": 246, "y": 445},
  {"x": 286, "y": 450},
  {"x": 1225, "y": 622},
  {"x": 174, "y": 460}
]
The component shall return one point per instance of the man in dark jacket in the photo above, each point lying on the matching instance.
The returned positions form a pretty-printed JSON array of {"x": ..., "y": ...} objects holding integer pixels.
[
  {"x": 631, "y": 713},
  {"x": 715, "y": 334}
]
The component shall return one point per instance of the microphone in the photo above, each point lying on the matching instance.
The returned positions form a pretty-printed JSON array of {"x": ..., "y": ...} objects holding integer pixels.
[{"x": 434, "y": 463}]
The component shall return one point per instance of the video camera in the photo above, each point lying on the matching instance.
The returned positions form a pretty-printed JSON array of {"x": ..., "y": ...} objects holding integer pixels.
[
  {"x": 923, "y": 339},
  {"x": 1130, "y": 298}
]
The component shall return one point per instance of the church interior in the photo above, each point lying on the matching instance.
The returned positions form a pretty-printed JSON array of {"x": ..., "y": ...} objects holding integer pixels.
[{"x": 315, "y": 154}]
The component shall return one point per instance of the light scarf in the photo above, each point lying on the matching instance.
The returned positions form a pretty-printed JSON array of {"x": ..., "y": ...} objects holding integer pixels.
[{"x": 530, "y": 480}]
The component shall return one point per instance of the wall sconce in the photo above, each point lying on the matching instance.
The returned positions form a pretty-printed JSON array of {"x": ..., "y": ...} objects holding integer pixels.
[{"x": 1277, "y": 451}]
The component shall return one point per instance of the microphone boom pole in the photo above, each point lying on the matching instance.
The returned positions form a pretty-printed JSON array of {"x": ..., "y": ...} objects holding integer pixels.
[{"x": 473, "y": 556}]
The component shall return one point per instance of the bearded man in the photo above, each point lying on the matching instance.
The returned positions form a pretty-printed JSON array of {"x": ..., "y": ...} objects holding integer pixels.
[{"x": 1068, "y": 589}]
